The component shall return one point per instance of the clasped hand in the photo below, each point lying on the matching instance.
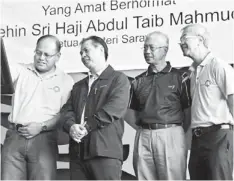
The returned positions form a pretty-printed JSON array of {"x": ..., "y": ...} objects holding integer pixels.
[
  {"x": 77, "y": 132},
  {"x": 30, "y": 130}
]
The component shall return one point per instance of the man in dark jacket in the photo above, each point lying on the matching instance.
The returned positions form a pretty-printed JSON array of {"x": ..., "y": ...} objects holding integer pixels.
[{"x": 93, "y": 116}]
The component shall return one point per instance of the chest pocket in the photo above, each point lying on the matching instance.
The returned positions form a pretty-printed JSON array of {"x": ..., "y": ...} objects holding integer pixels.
[
  {"x": 99, "y": 92},
  {"x": 101, "y": 88}
]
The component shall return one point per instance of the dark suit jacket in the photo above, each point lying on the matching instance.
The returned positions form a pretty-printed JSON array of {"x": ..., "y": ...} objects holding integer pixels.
[{"x": 105, "y": 107}]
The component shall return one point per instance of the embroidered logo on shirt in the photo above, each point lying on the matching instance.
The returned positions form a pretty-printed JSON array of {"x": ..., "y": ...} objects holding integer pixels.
[
  {"x": 207, "y": 83},
  {"x": 55, "y": 88},
  {"x": 171, "y": 86},
  {"x": 102, "y": 86}
]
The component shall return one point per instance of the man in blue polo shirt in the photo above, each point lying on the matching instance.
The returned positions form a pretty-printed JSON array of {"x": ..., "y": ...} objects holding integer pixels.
[
  {"x": 159, "y": 96},
  {"x": 212, "y": 89}
]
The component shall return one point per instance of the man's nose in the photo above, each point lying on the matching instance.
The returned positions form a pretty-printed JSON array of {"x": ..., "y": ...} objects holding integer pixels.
[
  {"x": 83, "y": 54},
  {"x": 147, "y": 50},
  {"x": 42, "y": 56}
]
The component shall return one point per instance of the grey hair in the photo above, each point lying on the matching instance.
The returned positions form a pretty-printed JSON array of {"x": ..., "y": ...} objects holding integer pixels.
[
  {"x": 163, "y": 36},
  {"x": 198, "y": 30}
]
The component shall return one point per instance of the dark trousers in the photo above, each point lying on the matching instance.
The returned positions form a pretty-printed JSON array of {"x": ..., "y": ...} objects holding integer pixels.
[
  {"x": 98, "y": 168},
  {"x": 211, "y": 156},
  {"x": 29, "y": 159}
]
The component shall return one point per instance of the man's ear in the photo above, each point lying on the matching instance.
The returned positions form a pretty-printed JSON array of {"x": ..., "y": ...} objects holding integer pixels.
[
  {"x": 102, "y": 48},
  {"x": 201, "y": 40},
  {"x": 165, "y": 50},
  {"x": 58, "y": 56}
]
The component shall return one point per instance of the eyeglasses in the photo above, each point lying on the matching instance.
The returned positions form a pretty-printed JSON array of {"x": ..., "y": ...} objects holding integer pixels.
[
  {"x": 47, "y": 56},
  {"x": 86, "y": 50},
  {"x": 152, "y": 48},
  {"x": 185, "y": 38}
]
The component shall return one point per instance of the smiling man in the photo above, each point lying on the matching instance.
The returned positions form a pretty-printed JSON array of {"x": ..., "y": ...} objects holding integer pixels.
[
  {"x": 93, "y": 116},
  {"x": 30, "y": 147},
  {"x": 212, "y": 90},
  {"x": 159, "y": 97}
]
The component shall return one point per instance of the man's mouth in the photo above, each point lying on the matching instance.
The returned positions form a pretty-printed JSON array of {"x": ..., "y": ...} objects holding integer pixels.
[
  {"x": 148, "y": 56},
  {"x": 86, "y": 60},
  {"x": 184, "y": 46},
  {"x": 41, "y": 63}
]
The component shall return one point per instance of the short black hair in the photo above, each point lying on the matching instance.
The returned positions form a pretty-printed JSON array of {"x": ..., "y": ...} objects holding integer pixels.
[
  {"x": 97, "y": 40},
  {"x": 57, "y": 42}
]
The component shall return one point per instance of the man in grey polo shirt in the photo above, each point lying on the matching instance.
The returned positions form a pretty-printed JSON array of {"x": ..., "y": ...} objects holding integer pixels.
[
  {"x": 30, "y": 148},
  {"x": 212, "y": 89}
]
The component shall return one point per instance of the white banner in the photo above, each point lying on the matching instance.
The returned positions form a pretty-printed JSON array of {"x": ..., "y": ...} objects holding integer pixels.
[{"x": 122, "y": 23}]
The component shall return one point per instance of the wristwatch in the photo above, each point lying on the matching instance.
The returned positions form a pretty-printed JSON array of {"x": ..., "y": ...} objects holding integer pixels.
[{"x": 43, "y": 127}]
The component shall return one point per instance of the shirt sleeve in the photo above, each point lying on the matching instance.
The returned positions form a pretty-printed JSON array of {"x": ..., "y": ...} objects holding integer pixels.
[
  {"x": 67, "y": 115},
  {"x": 133, "y": 101},
  {"x": 67, "y": 89},
  {"x": 224, "y": 76},
  {"x": 15, "y": 70},
  {"x": 185, "y": 91}
]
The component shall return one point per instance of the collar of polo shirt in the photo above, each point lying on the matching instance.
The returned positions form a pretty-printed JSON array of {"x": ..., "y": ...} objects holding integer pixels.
[
  {"x": 207, "y": 59},
  {"x": 166, "y": 69},
  {"x": 56, "y": 72}
]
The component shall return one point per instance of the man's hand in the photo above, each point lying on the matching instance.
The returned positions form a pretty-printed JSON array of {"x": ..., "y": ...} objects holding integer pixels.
[
  {"x": 77, "y": 132},
  {"x": 30, "y": 130}
]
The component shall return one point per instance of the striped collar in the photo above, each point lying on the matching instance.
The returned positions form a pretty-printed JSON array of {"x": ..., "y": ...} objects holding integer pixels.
[{"x": 167, "y": 69}]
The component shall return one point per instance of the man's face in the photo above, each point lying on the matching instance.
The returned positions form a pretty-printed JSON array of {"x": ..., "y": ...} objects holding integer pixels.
[
  {"x": 46, "y": 55},
  {"x": 154, "y": 50},
  {"x": 91, "y": 55},
  {"x": 189, "y": 44}
]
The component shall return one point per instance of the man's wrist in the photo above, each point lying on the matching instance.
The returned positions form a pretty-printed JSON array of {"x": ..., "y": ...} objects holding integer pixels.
[
  {"x": 67, "y": 125},
  {"x": 43, "y": 126},
  {"x": 87, "y": 127}
]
